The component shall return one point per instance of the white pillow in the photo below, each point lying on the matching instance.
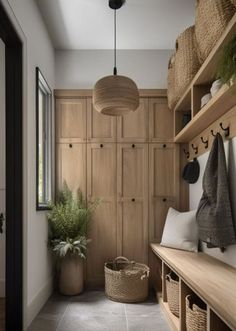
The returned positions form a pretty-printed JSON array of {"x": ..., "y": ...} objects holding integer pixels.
[{"x": 181, "y": 230}]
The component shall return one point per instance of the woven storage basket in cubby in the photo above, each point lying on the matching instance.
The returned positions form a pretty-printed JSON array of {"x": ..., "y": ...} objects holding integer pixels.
[
  {"x": 196, "y": 315},
  {"x": 172, "y": 290},
  {"x": 212, "y": 17},
  {"x": 126, "y": 281},
  {"x": 171, "y": 90},
  {"x": 186, "y": 61}
]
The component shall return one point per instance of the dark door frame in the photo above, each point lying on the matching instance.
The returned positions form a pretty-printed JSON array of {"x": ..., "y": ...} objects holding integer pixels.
[{"x": 14, "y": 173}]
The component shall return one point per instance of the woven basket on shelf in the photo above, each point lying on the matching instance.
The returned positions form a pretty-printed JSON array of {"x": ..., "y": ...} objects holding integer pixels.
[
  {"x": 186, "y": 60},
  {"x": 212, "y": 17},
  {"x": 233, "y": 2},
  {"x": 171, "y": 91},
  {"x": 196, "y": 314},
  {"x": 172, "y": 290},
  {"x": 126, "y": 281}
]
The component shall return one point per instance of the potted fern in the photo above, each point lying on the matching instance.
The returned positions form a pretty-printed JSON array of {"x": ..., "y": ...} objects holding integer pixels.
[{"x": 69, "y": 220}]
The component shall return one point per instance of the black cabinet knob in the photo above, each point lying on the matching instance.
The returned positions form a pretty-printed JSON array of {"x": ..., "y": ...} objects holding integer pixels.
[
  {"x": 164, "y": 199},
  {"x": 70, "y": 145},
  {"x": 133, "y": 199},
  {"x": 164, "y": 146},
  {"x": 101, "y": 145},
  {"x": 133, "y": 145}
]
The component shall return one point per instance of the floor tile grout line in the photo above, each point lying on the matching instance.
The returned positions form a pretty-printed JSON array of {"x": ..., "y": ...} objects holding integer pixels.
[
  {"x": 63, "y": 315},
  {"x": 126, "y": 319}
]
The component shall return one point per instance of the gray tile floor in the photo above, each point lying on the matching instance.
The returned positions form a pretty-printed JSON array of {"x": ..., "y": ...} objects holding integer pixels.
[{"x": 92, "y": 311}]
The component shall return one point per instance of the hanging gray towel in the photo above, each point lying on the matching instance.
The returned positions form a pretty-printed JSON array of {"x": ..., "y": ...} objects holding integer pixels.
[{"x": 214, "y": 214}]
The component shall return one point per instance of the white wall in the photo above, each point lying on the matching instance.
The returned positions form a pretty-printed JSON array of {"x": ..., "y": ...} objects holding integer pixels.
[
  {"x": 195, "y": 194},
  {"x": 2, "y": 164},
  {"x": 38, "y": 51},
  {"x": 82, "y": 68}
]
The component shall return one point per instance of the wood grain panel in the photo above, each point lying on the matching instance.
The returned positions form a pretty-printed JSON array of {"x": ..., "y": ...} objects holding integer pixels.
[
  {"x": 161, "y": 120},
  {"x": 71, "y": 120},
  {"x": 162, "y": 164},
  {"x": 134, "y": 126},
  {"x": 132, "y": 184},
  {"x": 162, "y": 187},
  {"x": 72, "y": 166},
  {"x": 75, "y": 93},
  {"x": 101, "y": 183},
  {"x": 134, "y": 230},
  {"x": 100, "y": 128}
]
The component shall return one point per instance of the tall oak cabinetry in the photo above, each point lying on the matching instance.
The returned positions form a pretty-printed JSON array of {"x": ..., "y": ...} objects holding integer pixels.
[{"x": 130, "y": 163}]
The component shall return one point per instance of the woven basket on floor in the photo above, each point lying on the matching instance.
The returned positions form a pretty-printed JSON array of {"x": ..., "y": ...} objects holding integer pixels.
[
  {"x": 171, "y": 91},
  {"x": 212, "y": 17},
  {"x": 126, "y": 281},
  {"x": 196, "y": 314},
  {"x": 186, "y": 61},
  {"x": 172, "y": 290}
]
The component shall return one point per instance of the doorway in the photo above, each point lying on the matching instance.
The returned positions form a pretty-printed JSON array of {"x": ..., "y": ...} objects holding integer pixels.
[{"x": 11, "y": 180}]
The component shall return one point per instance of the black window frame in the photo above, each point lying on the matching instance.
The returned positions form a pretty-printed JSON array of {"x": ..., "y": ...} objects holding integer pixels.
[{"x": 41, "y": 84}]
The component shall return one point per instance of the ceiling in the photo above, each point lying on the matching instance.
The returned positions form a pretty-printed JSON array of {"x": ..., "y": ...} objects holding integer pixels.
[{"x": 141, "y": 24}]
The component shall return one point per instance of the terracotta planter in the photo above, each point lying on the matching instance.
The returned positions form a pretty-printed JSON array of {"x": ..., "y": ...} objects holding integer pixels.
[{"x": 71, "y": 281}]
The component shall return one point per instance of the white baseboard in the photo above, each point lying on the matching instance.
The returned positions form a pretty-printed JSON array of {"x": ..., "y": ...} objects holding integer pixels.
[
  {"x": 2, "y": 288},
  {"x": 39, "y": 300}
]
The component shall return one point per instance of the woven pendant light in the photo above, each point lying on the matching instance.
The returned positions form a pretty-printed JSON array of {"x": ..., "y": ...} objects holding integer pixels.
[{"x": 115, "y": 95}]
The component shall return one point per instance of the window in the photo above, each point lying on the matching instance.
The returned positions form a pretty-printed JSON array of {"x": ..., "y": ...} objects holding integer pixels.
[{"x": 43, "y": 142}]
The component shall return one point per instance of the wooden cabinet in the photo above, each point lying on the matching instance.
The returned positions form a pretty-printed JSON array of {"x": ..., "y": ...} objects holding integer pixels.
[
  {"x": 71, "y": 120},
  {"x": 101, "y": 183},
  {"x": 71, "y": 166},
  {"x": 100, "y": 128},
  {"x": 130, "y": 163},
  {"x": 132, "y": 184},
  {"x": 163, "y": 186},
  {"x": 134, "y": 126},
  {"x": 161, "y": 122}
]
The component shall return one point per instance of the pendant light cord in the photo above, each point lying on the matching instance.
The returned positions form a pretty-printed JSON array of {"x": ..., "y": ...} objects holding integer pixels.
[{"x": 115, "y": 68}]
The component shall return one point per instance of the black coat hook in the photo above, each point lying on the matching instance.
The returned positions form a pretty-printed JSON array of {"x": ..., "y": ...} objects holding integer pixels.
[
  {"x": 205, "y": 142},
  {"x": 186, "y": 153},
  {"x": 226, "y": 130},
  {"x": 213, "y": 134},
  {"x": 195, "y": 148}
]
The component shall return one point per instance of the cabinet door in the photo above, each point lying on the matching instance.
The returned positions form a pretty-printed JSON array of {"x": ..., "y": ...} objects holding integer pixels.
[
  {"x": 161, "y": 120},
  {"x": 134, "y": 126},
  {"x": 133, "y": 201},
  {"x": 71, "y": 166},
  {"x": 101, "y": 183},
  {"x": 163, "y": 185},
  {"x": 100, "y": 128},
  {"x": 71, "y": 120}
]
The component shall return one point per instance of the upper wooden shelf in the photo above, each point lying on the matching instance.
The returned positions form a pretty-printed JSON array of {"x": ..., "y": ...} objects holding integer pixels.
[
  {"x": 207, "y": 72},
  {"x": 223, "y": 101},
  {"x": 213, "y": 280}
]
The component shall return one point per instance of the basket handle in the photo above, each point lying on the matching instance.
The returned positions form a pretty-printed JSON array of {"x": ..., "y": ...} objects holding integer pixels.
[
  {"x": 168, "y": 277},
  {"x": 145, "y": 275},
  {"x": 123, "y": 260}
]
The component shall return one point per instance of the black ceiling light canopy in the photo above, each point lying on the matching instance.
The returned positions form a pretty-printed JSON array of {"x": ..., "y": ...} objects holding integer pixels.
[{"x": 116, "y": 4}]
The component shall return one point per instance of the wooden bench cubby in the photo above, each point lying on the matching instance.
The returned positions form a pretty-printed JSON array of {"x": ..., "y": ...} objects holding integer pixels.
[{"x": 213, "y": 281}]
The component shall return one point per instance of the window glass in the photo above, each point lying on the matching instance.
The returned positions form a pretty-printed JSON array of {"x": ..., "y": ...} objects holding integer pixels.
[{"x": 44, "y": 139}]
